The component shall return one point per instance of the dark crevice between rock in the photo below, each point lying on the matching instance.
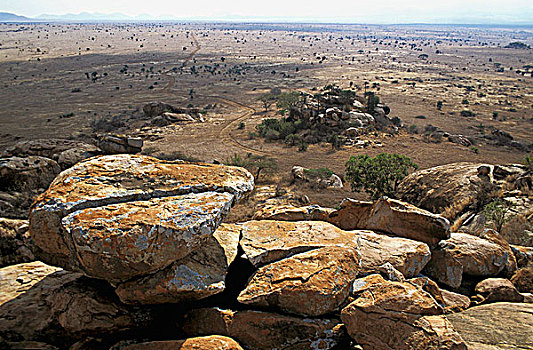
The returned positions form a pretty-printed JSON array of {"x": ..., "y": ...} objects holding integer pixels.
[{"x": 239, "y": 272}]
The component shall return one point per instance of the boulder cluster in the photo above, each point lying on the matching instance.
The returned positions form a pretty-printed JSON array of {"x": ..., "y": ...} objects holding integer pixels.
[{"x": 131, "y": 253}]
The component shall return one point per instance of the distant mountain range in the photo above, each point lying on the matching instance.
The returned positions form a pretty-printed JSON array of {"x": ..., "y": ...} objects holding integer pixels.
[
  {"x": 82, "y": 17},
  {"x": 120, "y": 17},
  {"x": 11, "y": 17}
]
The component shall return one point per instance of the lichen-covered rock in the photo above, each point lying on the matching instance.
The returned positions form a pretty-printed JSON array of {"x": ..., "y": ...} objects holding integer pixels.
[
  {"x": 264, "y": 330},
  {"x": 464, "y": 254},
  {"x": 119, "y": 241},
  {"x": 498, "y": 289},
  {"x": 44, "y": 303},
  {"x": 387, "y": 215},
  {"x": 267, "y": 241},
  {"x": 313, "y": 283},
  {"x": 407, "y": 256},
  {"x": 15, "y": 242},
  {"x": 213, "y": 342},
  {"x": 394, "y": 217},
  {"x": 496, "y": 326},
  {"x": 117, "y": 217},
  {"x": 199, "y": 275},
  {"x": 395, "y": 315}
]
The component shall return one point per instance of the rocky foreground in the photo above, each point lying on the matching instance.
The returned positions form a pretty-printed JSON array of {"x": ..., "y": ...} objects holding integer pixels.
[{"x": 130, "y": 252}]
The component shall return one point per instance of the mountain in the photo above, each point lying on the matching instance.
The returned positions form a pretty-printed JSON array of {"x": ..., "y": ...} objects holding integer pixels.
[
  {"x": 86, "y": 16},
  {"x": 11, "y": 17}
]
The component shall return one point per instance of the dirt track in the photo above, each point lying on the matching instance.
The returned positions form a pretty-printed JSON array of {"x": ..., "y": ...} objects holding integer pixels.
[{"x": 225, "y": 133}]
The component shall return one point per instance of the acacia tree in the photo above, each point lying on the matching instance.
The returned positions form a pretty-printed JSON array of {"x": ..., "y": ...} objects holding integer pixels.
[
  {"x": 287, "y": 100},
  {"x": 498, "y": 212},
  {"x": 268, "y": 100},
  {"x": 254, "y": 163},
  {"x": 378, "y": 176}
]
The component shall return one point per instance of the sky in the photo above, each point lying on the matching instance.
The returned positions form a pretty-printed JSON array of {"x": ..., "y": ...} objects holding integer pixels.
[{"x": 342, "y": 11}]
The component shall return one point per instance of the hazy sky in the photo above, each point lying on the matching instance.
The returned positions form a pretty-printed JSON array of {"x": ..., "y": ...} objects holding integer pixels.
[{"x": 368, "y": 11}]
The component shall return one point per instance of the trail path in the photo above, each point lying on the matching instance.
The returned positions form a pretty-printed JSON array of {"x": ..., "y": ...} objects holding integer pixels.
[{"x": 225, "y": 132}]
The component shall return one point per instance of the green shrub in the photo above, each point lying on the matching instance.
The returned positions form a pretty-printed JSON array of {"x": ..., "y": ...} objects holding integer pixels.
[
  {"x": 378, "y": 176},
  {"x": 498, "y": 212},
  {"x": 319, "y": 173}
]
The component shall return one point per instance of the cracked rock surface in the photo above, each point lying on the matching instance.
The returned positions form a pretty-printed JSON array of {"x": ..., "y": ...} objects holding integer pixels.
[
  {"x": 197, "y": 276},
  {"x": 397, "y": 315},
  {"x": 267, "y": 241},
  {"x": 127, "y": 216},
  {"x": 313, "y": 283}
]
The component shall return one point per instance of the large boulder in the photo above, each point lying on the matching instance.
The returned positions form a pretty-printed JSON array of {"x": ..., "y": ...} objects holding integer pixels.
[
  {"x": 197, "y": 276},
  {"x": 267, "y": 241},
  {"x": 455, "y": 188},
  {"x": 44, "y": 303},
  {"x": 464, "y": 254},
  {"x": 392, "y": 216},
  {"x": 265, "y": 330},
  {"x": 122, "y": 216},
  {"x": 448, "y": 189},
  {"x": 407, "y": 256},
  {"x": 15, "y": 242},
  {"x": 212, "y": 342},
  {"x": 496, "y": 326},
  {"x": 395, "y": 315},
  {"x": 313, "y": 283}
]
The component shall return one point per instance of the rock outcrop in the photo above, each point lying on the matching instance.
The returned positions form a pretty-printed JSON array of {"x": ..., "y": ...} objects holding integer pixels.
[
  {"x": 265, "y": 330},
  {"x": 495, "y": 326},
  {"x": 21, "y": 180},
  {"x": 65, "y": 152}
]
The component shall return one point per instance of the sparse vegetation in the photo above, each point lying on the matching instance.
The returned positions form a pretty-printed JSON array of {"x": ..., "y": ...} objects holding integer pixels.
[
  {"x": 254, "y": 163},
  {"x": 380, "y": 175},
  {"x": 498, "y": 212}
]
